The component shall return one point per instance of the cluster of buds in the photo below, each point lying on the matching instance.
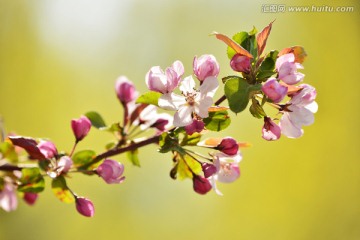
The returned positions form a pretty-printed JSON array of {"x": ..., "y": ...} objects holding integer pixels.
[{"x": 270, "y": 78}]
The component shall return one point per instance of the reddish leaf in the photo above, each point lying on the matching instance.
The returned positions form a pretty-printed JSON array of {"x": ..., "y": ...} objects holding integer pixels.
[
  {"x": 298, "y": 51},
  {"x": 237, "y": 48},
  {"x": 262, "y": 38},
  {"x": 30, "y": 146}
]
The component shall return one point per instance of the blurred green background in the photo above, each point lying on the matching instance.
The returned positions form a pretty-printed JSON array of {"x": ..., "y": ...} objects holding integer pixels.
[{"x": 60, "y": 58}]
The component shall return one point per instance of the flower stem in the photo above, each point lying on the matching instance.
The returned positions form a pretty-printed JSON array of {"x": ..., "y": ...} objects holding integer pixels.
[{"x": 220, "y": 100}]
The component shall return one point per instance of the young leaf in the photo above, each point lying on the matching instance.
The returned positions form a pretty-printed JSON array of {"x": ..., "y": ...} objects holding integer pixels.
[
  {"x": 186, "y": 166},
  {"x": 30, "y": 146},
  {"x": 83, "y": 157},
  {"x": 133, "y": 157},
  {"x": 298, "y": 51},
  {"x": 191, "y": 140},
  {"x": 245, "y": 40},
  {"x": 95, "y": 119},
  {"x": 237, "y": 91},
  {"x": 61, "y": 190},
  {"x": 231, "y": 43},
  {"x": 7, "y": 151},
  {"x": 31, "y": 180},
  {"x": 267, "y": 67},
  {"x": 168, "y": 143},
  {"x": 256, "y": 110},
  {"x": 217, "y": 121},
  {"x": 149, "y": 98},
  {"x": 262, "y": 38}
]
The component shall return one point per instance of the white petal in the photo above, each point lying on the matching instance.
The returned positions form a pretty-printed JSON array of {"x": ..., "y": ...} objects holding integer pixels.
[
  {"x": 203, "y": 108},
  {"x": 183, "y": 116},
  {"x": 209, "y": 87},
  {"x": 289, "y": 57},
  {"x": 178, "y": 68},
  {"x": 288, "y": 128},
  {"x": 171, "y": 101},
  {"x": 301, "y": 116},
  {"x": 187, "y": 85},
  {"x": 312, "y": 107},
  {"x": 212, "y": 181}
]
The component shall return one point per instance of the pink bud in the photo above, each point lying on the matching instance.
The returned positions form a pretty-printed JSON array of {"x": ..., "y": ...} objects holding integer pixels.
[
  {"x": 160, "y": 124},
  {"x": 208, "y": 169},
  {"x": 270, "y": 131},
  {"x": 287, "y": 69},
  {"x": 111, "y": 171},
  {"x": 48, "y": 149},
  {"x": 30, "y": 198},
  {"x": 201, "y": 185},
  {"x": 240, "y": 63},
  {"x": 205, "y": 66},
  {"x": 274, "y": 90},
  {"x": 195, "y": 126},
  {"x": 85, "y": 207},
  {"x": 125, "y": 90},
  {"x": 80, "y": 127},
  {"x": 229, "y": 146},
  {"x": 64, "y": 164},
  {"x": 164, "y": 82}
]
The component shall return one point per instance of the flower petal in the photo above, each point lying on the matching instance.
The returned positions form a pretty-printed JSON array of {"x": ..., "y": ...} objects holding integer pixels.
[
  {"x": 183, "y": 116},
  {"x": 203, "y": 107},
  {"x": 171, "y": 101},
  {"x": 187, "y": 85},
  {"x": 209, "y": 87},
  {"x": 288, "y": 128}
]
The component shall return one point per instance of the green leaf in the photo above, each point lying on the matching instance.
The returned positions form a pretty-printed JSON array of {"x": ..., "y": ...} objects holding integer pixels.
[
  {"x": 186, "y": 166},
  {"x": 168, "y": 142},
  {"x": 8, "y": 151},
  {"x": 247, "y": 41},
  {"x": 256, "y": 109},
  {"x": 267, "y": 67},
  {"x": 217, "y": 121},
  {"x": 115, "y": 127},
  {"x": 61, "y": 190},
  {"x": 149, "y": 98},
  {"x": 238, "y": 91},
  {"x": 191, "y": 140},
  {"x": 31, "y": 180},
  {"x": 83, "y": 157},
  {"x": 133, "y": 157},
  {"x": 95, "y": 119}
]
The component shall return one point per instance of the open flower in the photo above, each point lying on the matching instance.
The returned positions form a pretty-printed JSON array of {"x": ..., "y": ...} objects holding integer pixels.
[
  {"x": 287, "y": 69},
  {"x": 191, "y": 101},
  {"x": 299, "y": 112},
  {"x": 164, "y": 82},
  {"x": 8, "y": 199},
  {"x": 227, "y": 169}
]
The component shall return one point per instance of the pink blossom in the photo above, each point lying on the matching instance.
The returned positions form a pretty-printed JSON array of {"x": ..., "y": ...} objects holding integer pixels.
[
  {"x": 274, "y": 90},
  {"x": 201, "y": 185},
  {"x": 205, "y": 66},
  {"x": 85, "y": 207},
  {"x": 229, "y": 146},
  {"x": 48, "y": 149},
  {"x": 30, "y": 198},
  {"x": 227, "y": 169},
  {"x": 208, "y": 169},
  {"x": 287, "y": 69},
  {"x": 125, "y": 90},
  {"x": 164, "y": 82},
  {"x": 270, "y": 131},
  {"x": 240, "y": 63},
  {"x": 80, "y": 127},
  {"x": 64, "y": 164},
  {"x": 195, "y": 126},
  {"x": 299, "y": 111},
  {"x": 8, "y": 199},
  {"x": 111, "y": 171},
  {"x": 191, "y": 101}
]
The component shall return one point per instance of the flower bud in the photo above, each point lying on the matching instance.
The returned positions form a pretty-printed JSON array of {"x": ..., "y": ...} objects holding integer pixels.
[
  {"x": 229, "y": 146},
  {"x": 274, "y": 90},
  {"x": 208, "y": 169},
  {"x": 164, "y": 82},
  {"x": 30, "y": 198},
  {"x": 205, "y": 66},
  {"x": 240, "y": 63},
  {"x": 48, "y": 149},
  {"x": 287, "y": 69},
  {"x": 64, "y": 164},
  {"x": 80, "y": 127},
  {"x": 195, "y": 126},
  {"x": 111, "y": 171},
  {"x": 85, "y": 207},
  {"x": 201, "y": 185},
  {"x": 125, "y": 90},
  {"x": 270, "y": 131}
]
